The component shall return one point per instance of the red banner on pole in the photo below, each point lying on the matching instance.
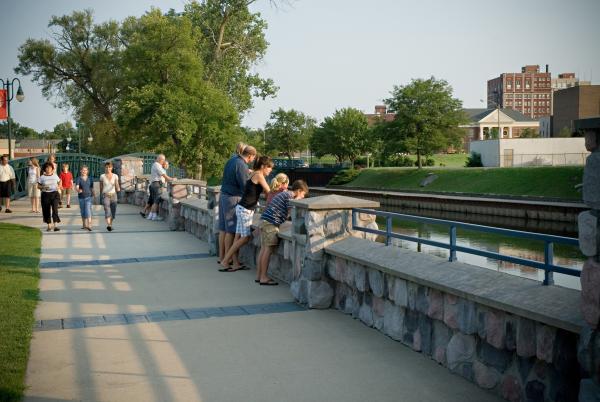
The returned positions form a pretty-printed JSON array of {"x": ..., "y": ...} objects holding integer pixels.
[{"x": 3, "y": 110}]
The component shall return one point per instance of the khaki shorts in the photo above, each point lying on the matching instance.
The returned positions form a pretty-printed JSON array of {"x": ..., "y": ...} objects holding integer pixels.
[
  {"x": 66, "y": 190},
  {"x": 268, "y": 234}
]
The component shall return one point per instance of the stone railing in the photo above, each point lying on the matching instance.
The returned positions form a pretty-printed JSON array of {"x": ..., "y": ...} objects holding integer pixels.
[{"x": 508, "y": 334}]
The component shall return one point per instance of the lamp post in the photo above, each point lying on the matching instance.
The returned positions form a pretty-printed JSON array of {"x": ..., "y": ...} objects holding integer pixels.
[{"x": 9, "y": 86}]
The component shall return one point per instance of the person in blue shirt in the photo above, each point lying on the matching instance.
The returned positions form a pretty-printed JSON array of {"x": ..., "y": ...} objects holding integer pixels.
[{"x": 235, "y": 176}]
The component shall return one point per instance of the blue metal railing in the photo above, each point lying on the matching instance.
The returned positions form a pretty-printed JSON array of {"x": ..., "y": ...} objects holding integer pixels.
[{"x": 549, "y": 240}]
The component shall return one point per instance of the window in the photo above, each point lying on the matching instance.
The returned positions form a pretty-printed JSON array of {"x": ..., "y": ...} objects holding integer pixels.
[
  {"x": 518, "y": 84},
  {"x": 527, "y": 84}
]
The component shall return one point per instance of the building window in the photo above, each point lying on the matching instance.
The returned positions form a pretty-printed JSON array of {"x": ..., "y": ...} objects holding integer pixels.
[
  {"x": 518, "y": 84},
  {"x": 527, "y": 84}
]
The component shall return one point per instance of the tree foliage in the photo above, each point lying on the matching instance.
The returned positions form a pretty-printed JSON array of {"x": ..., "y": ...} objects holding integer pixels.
[
  {"x": 529, "y": 132},
  {"x": 288, "y": 131},
  {"x": 17, "y": 131},
  {"x": 343, "y": 135},
  {"x": 427, "y": 118}
]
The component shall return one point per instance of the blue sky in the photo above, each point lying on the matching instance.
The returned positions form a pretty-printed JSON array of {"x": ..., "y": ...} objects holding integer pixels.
[{"x": 329, "y": 54}]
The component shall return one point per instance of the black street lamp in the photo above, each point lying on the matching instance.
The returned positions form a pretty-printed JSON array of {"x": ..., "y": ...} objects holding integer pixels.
[{"x": 10, "y": 93}]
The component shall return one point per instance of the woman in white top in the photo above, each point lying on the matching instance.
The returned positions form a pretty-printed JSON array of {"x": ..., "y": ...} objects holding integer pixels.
[
  {"x": 109, "y": 187},
  {"x": 49, "y": 183},
  {"x": 33, "y": 174}
]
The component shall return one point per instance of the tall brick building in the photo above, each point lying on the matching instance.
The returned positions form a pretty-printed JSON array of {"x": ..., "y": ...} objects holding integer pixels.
[
  {"x": 528, "y": 92},
  {"x": 574, "y": 103}
]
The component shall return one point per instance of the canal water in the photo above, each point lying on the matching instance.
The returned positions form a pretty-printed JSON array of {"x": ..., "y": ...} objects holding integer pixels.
[{"x": 564, "y": 255}]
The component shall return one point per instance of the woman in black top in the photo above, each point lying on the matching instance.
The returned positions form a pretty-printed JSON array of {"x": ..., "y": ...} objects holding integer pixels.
[{"x": 244, "y": 210}]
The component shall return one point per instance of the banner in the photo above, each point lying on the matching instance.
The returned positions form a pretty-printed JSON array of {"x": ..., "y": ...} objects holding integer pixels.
[{"x": 3, "y": 111}]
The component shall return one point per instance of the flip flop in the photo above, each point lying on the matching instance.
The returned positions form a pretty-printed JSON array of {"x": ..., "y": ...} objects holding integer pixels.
[
  {"x": 227, "y": 270},
  {"x": 269, "y": 283},
  {"x": 256, "y": 281}
]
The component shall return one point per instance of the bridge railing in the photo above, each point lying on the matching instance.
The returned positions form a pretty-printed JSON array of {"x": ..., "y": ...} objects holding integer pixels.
[
  {"x": 75, "y": 160},
  {"x": 149, "y": 159},
  {"x": 547, "y": 266}
]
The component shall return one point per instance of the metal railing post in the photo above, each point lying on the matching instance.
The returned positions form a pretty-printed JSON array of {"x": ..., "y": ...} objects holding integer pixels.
[
  {"x": 353, "y": 219},
  {"x": 452, "y": 256},
  {"x": 388, "y": 230},
  {"x": 548, "y": 260}
]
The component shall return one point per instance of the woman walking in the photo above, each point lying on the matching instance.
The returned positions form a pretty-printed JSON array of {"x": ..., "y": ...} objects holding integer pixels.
[
  {"x": 109, "y": 187},
  {"x": 244, "y": 210},
  {"x": 49, "y": 184},
  {"x": 33, "y": 174},
  {"x": 84, "y": 185}
]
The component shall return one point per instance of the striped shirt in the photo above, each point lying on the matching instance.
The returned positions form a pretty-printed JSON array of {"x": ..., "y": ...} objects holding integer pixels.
[{"x": 277, "y": 211}]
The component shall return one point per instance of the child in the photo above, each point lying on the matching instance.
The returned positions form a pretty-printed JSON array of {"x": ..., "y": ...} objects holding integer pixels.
[
  {"x": 49, "y": 183},
  {"x": 66, "y": 182},
  {"x": 279, "y": 184},
  {"x": 274, "y": 215},
  {"x": 84, "y": 185},
  {"x": 244, "y": 210},
  {"x": 33, "y": 174}
]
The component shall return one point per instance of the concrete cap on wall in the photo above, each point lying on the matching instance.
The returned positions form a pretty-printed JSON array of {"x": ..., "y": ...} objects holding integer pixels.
[{"x": 333, "y": 202}]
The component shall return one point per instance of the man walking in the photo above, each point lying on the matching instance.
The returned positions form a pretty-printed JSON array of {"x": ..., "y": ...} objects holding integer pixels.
[
  {"x": 157, "y": 174},
  {"x": 7, "y": 177},
  {"x": 235, "y": 176}
]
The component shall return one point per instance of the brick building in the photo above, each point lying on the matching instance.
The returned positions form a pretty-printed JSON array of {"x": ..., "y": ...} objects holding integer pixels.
[
  {"x": 572, "y": 104},
  {"x": 380, "y": 114},
  {"x": 528, "y": 92}
]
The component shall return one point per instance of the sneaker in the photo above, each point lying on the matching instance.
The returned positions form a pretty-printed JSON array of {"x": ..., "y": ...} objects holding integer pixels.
[
  {"x": 143, "y": 214},
  {"x": 158, "y": 218},
  {"x": 109, "y": 228},
  {"x": 56, "y": 229},
  {"x": 8, "y": 211},
  {"x": 68, "y": 206}
]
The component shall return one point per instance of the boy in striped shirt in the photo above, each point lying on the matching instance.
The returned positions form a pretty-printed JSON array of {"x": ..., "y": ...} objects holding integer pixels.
[{"x": 273, "y": 216}]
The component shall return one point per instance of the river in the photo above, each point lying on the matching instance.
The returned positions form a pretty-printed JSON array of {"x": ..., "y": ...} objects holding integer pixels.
[{"x": 566, "y": 256}]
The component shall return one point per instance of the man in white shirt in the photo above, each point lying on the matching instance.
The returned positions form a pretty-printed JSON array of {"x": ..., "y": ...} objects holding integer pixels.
[
  {"x": 7, "y": 177},
  {"x": 157, "y": 175}
]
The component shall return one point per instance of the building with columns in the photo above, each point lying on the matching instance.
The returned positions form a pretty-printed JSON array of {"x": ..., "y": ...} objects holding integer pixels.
[{"x": 485, "y": 122}]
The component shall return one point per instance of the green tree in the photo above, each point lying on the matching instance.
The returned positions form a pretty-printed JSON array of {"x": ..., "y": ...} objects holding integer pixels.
[
  {"x": 231, "y": 42},
  {"x": 257, "y": 138},
  {"x": 17, "y": 131},
  {"x": 81, "y": 68},
  {"x": 427, "y": 117},
  {"x": 565, "y": 132},
  {"x": 343, "y": 135},
  {"x": 288, "y": 131},
  {"x": 529, "y": 132},
  {"x": 170, "y": 108}
]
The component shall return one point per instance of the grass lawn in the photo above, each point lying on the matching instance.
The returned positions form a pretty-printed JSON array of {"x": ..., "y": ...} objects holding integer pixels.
[
  {"x": 19, "y": 276},
  {"x": 548, "y": 182}
]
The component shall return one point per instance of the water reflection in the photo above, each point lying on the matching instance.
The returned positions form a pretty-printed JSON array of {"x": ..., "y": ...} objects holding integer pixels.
[{"x": 564, "y": 255}]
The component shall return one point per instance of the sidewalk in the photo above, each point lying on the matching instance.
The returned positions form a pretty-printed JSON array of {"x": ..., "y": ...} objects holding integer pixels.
[{"x": 142, "y": 314}]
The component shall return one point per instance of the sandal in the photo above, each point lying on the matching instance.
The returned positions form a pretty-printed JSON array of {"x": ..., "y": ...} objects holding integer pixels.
[
  {"x": 230, "y": 269},
  {"x": 268, "y": 283}
]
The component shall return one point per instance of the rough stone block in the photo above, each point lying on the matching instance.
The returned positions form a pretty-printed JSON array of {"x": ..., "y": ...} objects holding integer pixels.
[
  {"x": 401, "y": 292},
  {"x": 485, "y": 376},
  {"x": 545, "y": 337},
  {"x": 378, "y": 305},
  {"x": 413, "y": 289},
  {"x": 461, "y": 349},
  {"x": 435, "y": 308},
  {"x": 534, "y": 391},
  {"x": 393, "y": 320},
  {"x": 314, "y": 221},
  {"x": 320, "y": 294},
  {"x": 315, "y": 245},
  {"x": 425, "y": 332},
  {"x": 589, "y": 391},
  {"x": 335, "y": 223},
  {"x": 346, "y": 272},
  {"x": 511, "y": 389},
  {"x": 499, "y": 359},
  {"x": 312, "y": 270},
  {"x": 588, "y": 231},
  {"x": 510, "y": 329},
  {"x": 467, "y": 317},
  {"x": 590, "y": 292},
  {"x": 365, "y": 314},
  {"x": 494, "y": 328},
  {"x": 441, "y": 337},
  {"x": 360, "y": 277},
  {"x": 390, "y": 283},
  {"x": 376, "y": 282},
  {"x": 524, "y": 365},
  {"x": 411, "y": 323},
  {"x": 299, "y": 289},
  {"x": 526, "y": 338},
  {"x": 451, "y": 310},
  {"x": 422, "y": 300}
]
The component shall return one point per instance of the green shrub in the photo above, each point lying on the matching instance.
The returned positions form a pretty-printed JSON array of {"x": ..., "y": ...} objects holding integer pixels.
[
  {"x": 344, "y": 176},
  {"x": 426, "y": 162},
  {"x": 400, "y": 161},
  {"x": 474, "y": 160}
]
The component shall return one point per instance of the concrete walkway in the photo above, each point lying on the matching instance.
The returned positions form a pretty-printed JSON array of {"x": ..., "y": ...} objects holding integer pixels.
[{"x": 142, "y": 314}]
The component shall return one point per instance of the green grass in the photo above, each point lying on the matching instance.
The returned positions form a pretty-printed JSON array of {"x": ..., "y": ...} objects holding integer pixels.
[
  {"x": 547, "y": 182},
  {"x": 19, "y": 276}
]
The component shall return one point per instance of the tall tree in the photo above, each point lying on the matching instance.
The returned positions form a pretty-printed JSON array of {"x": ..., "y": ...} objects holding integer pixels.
[
  {"x": 81, "y": 68},
  {"x": 427, "y": 117},
  {"x": 17, "y": 131},
  {"x": 231, "y": 42},
  {"x": 343, "y": 135},
  {"x": 289, "y": 131},
  {"x": 170, "y": 108}
]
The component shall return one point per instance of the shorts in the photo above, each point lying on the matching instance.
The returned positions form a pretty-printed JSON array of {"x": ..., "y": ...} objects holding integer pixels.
[
  {"x": 227, "y": 218},
  {"x": 67, "y": 190},
  {"x": 243, "y": 225},
  {"x": 33, "y": 190},
  {"x": 5, "y": 189},
  {"x": 268, "y": 234},
  {"x": 154, "y": 196}
]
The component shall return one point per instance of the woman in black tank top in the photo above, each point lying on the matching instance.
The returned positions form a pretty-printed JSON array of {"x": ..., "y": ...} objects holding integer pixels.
[{"x": 244, "y": 211}]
